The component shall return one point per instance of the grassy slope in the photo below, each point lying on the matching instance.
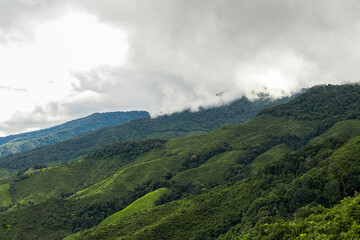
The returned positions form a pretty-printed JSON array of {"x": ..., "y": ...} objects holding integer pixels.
[
  {"x": 273, "y": 154},
  {"x": 68, "y": 179},
  {"x": 146, "y": 202},
  {"x": 5, "y": 198},
  {"x": 169, "y": 126},
  {"x": 169, "y": 158},
  {"x": 96, "y": 179}
]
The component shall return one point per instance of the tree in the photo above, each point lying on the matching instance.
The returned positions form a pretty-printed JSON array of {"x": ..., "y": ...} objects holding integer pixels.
[{"x": 5, "y": 226}]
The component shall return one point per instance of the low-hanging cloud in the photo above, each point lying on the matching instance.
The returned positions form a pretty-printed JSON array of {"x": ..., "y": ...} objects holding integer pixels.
[{"x": 182, "y": 54}]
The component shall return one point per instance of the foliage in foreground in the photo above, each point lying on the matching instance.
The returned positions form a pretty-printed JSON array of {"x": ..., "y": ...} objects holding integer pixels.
[
  {"x": 340, "y": 222},
  {"x": 5, "y": 226}
]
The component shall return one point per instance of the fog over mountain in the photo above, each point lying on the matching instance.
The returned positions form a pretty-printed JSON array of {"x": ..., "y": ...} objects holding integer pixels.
[{"x": 63, "y": 59}]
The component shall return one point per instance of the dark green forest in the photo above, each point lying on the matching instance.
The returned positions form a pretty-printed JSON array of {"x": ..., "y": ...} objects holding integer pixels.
[{"x": 291, "y": 172}]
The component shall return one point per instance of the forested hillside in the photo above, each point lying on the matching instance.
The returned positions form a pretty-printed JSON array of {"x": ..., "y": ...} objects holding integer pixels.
[
  {"x": 30, "y": 140},
  {"x": 339, "y": 222},
  {"x": 258, "y": 207},
  {"x": 263, "y": 179},
  {"x": 169, "y": 126}
]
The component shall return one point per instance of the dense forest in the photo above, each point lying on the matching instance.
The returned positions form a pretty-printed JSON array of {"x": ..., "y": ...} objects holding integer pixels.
[{"x": 290, "y": 172}]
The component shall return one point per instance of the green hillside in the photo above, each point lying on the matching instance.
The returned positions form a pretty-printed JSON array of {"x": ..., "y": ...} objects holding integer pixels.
[
  {"x": 222, "y": 185},
  {"x": 273, "y": 154},
  {"x": 349, "y": 128},
  {"x": 146, "y": 202},
  {"x": 239, "y": 210},
  {"x": 169, "y": 126},
  {"x": 5, "y": 199},
  {"x": 30, "y": 140},
  {"x": 339, "y": 222}
]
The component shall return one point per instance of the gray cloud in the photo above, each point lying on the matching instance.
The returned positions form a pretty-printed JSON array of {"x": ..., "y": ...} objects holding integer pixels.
[
  {"x": 40, "y": 117},
  {"x": 207, "y": 43},
  {"x": 182, "y": 53}
]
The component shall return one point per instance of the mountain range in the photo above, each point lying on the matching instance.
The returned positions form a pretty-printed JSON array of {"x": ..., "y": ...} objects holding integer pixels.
[
  {"x": 292, "y": 171},
  {"x": 180, "y": 124},
  {"x": 30, "y": 140}
]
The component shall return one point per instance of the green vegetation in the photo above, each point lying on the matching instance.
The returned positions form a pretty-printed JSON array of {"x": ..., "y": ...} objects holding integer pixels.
[
  {"x": 338, "y": 106},
  {"x": 181, "y": 124},
  {"x": 273, "y": 154},
  {"x": 5, "y": 226},
  {"x": 146, "y": 202},
  {"x": 239, "y": 181},
  {"x": 5, "y": 199},
  {"x": 349, "y": 128},
  {"x": 27, "y": 141},
  {"x": 278, "y": 191},
  {"x": 340, "y": 222}
]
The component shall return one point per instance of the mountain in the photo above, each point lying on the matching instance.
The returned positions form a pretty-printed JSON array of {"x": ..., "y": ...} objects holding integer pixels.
[
  {"x": 260, "y": 206},
  {"x": 30, "y": 140},
  {"x": 243, "y": 181},
  {"x": 181, "y": 124}
]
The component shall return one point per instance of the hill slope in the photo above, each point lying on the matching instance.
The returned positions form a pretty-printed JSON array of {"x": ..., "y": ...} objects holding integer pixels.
[
  {"x": 214, "y": 190},
  {"x": 339, "y": 222},
  {"x": 30, "y": 140},
  {"x": 232, "y": 212},
  {"x": 146, "y": 202},
  {"x": 169, "y": 126}
]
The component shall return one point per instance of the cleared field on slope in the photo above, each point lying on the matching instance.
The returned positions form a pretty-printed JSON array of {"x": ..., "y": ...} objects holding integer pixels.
[
  {"x": 5, "y": 199},
  {"x": 146, "y": 202},
  {"x": 273, "y": 154}
]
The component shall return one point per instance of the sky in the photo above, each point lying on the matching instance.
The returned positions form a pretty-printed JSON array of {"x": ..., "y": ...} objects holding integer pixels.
[{"x": 65, "y": 59}]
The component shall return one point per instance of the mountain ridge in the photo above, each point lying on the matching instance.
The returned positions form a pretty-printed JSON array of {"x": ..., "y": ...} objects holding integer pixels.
[
  {"x": 26, "y": 141},
  {"x": 166, "y": 127}
]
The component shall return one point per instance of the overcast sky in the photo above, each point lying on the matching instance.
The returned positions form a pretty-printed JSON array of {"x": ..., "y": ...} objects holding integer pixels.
[{"x": 64, "y": 59}]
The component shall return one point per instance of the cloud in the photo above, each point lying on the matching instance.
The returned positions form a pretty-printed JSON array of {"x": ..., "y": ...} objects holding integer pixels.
[
  {"x": 181, "y": 55},
  {"x": 243, "y": 46}
]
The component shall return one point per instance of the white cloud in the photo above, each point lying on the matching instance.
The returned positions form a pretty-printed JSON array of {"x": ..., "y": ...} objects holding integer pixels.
[
  {"x": 165, "y": 56},
  {"x": 277, "y": 72},
  {"x": 44, "y": 64}
]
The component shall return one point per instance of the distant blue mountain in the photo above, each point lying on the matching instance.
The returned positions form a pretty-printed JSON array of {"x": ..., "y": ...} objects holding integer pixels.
[{"x": 30, "y": 140}]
